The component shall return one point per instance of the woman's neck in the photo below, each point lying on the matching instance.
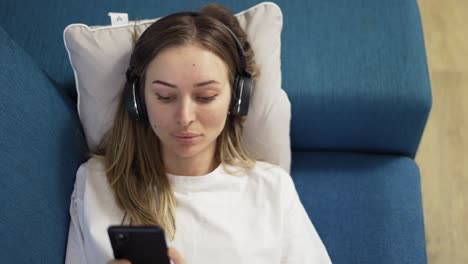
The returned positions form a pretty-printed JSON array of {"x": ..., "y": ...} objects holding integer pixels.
[{"x": 193, "y": 166}]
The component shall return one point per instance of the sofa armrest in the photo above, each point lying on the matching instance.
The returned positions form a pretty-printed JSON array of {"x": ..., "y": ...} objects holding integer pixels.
[{"x": 40, "y": 148}]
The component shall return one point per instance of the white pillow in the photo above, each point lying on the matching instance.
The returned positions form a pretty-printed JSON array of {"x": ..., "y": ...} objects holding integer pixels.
[{"x": 100, "y": 55}]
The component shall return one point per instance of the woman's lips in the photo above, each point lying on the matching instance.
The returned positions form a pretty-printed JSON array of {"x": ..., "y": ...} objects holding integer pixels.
[
  {"x": 187, "y": 138},
  {"x": 186, "y": 134}
]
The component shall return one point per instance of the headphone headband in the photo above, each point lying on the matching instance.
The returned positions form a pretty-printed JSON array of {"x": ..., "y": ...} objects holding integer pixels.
[{"x": 243, "y": 61}]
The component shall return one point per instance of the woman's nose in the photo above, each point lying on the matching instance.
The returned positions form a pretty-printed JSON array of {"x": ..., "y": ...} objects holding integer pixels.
[{"x": 186, "y": 113}]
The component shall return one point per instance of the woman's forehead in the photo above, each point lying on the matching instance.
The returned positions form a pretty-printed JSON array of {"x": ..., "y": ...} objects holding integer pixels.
[{"x": 188, "y": 61}]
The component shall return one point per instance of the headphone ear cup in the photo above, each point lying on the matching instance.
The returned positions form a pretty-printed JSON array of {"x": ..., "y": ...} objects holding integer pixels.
[
  {"x": 132, "y": 100},
  {"x": 234, "y": 97},
  {"x": 240, "y": 100},
  {"x": 140, "y": 97}
]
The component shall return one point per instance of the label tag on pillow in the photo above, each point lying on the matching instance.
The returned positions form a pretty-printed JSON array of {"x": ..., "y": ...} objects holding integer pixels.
[{"x": 118, "y": 19}]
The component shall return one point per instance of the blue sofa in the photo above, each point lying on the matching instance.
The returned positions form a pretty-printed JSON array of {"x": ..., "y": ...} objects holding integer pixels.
[{"x": 357, "y": 78}]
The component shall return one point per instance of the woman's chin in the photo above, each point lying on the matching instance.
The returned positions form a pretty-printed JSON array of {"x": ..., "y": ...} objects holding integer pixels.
[{"x": 186, "y": 152}]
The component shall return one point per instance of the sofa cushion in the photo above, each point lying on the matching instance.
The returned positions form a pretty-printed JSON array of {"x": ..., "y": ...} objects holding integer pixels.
[
  {"x": 360, "y": 76},
  {"x": 366, "y": 208},
  {"x": 100, "y": 57},
  {"x": 40, "y": 151}
]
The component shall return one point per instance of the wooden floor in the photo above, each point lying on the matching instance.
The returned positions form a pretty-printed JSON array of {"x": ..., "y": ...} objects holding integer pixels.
[{"x": 443, "y": 153}]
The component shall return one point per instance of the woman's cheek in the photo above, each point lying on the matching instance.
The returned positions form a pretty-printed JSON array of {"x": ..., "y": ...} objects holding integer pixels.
[
  {"x": 158, "y": 120},
  {"x": 213, "y": 118}
]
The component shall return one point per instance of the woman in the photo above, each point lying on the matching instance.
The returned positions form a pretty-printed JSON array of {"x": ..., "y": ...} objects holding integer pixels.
[{"x": 174, "y": 157}]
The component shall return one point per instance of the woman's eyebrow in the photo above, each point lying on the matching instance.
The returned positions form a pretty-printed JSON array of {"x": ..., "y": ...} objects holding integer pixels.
[
  {"x": 205, "y": 83},
  {"x": 200, "y": 84},
  {"x": 165, "y": 83}
]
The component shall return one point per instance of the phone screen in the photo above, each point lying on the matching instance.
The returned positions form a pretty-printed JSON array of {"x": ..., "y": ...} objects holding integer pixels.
[{"x": 139, "y": 244}]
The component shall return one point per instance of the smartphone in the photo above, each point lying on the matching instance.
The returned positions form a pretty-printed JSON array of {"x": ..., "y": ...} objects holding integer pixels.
[{"x": 139, "y": 244}]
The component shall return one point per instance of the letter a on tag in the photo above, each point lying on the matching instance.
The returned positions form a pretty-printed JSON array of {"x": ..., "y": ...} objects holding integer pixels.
[{"x": 118, "y": 19}]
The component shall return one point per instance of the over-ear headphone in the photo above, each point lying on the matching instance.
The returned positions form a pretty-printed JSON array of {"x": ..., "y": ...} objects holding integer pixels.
[{"x": 242, "y": 86}]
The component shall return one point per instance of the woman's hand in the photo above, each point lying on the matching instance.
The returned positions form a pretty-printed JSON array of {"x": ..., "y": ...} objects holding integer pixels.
[
  {"x": 119, "y": 261},
  {"x": 173, "y": 254}
]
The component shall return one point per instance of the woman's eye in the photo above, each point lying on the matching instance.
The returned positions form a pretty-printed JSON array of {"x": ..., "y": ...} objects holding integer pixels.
[
  {"x": 164, "y": 98},
  {"x": 207, "y": 99}
]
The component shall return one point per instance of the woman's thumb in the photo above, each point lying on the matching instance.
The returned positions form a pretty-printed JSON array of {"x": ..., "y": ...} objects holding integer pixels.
[{"x": 175, "y": 256}]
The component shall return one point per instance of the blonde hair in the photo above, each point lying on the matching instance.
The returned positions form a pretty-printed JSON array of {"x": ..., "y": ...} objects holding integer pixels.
[{"x": 131, "y": 151}]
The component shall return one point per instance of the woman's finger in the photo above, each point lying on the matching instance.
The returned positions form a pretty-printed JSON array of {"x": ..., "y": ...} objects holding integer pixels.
[
  {"x": 119, "y": 261},
  {"x": 175, "y": 256}
]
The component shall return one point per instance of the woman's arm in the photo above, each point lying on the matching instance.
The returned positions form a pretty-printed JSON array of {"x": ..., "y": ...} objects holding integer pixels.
[
  {"x": 301, "y": 242},
  {"x": 75, "y": 252},
  {"x": 75, "y": 246}
]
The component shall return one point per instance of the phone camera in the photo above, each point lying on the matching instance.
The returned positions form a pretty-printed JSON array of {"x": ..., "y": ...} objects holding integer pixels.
[{"x": 121, "y": 238}]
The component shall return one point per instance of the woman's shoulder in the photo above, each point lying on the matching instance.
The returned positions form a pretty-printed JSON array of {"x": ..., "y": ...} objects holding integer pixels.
[
  {"x": 267, "y": 168},
  {"x": 90, "y": 174},
  {"x": 269, "y": 182},
  {"x": 269, "y": 174},
  {"x": 93, "y": 167},
  {"x": 260, "y": 168}
]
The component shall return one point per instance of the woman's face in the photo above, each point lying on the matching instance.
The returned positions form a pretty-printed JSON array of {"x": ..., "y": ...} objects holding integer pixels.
[{"x": 187, "y": 96}]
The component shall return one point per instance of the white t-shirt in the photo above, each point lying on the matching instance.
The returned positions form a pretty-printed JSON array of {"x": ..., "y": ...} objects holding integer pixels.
[{"x": 221, "y": 218}]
